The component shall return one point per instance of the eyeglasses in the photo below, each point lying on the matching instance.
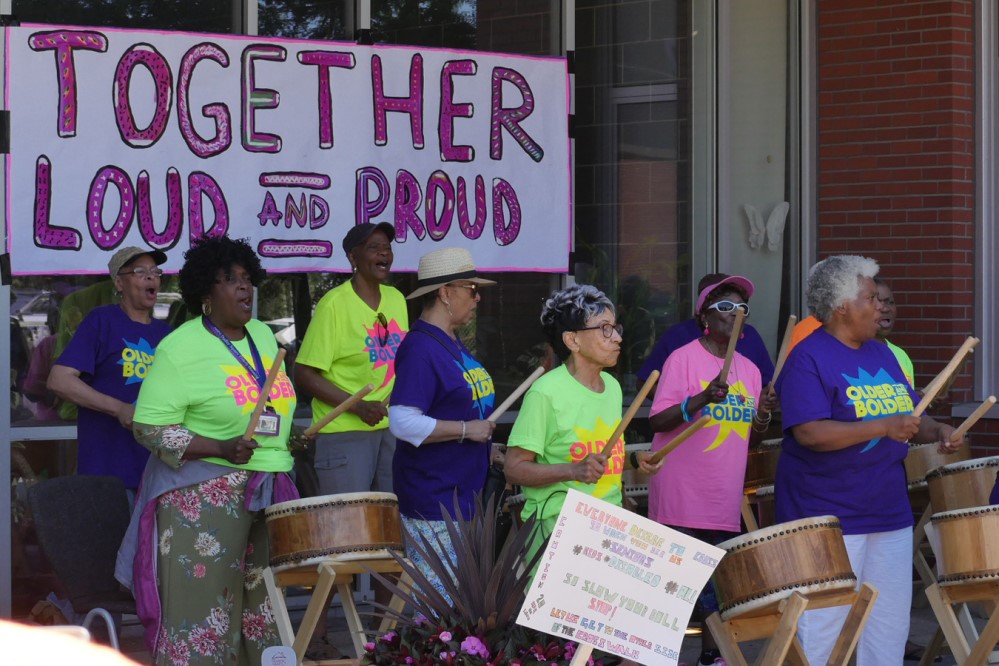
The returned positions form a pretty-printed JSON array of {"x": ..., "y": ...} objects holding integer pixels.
[
  {"x": 380, "y": 319},
  {"x": 729, "y": 306},
  {"x": 607, "y": 329},
  {"x": 474, "y": 288},
  {"x": 143, "y": 272}
]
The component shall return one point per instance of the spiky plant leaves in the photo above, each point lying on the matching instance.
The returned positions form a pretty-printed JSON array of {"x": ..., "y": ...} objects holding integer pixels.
[{"x": 486, "y": 590}]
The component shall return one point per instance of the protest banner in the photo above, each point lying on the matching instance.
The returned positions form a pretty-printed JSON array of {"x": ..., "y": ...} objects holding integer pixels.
[
  {"x": 128, "y": 137},
  {"x": 617, "y": 581}
]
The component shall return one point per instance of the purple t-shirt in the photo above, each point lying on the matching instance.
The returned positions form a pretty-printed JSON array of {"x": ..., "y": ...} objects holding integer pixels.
[
  {"x": 863, "y": 485},
  {"x": 440, "y": 378},
  {"x": 112, "y": 354},
  {"x": 994, "y": 497},
  {"x": 750, "y": 345}
]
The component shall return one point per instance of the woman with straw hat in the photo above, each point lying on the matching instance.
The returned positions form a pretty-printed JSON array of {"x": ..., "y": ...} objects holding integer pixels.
[{"x": 441, "y": 399}]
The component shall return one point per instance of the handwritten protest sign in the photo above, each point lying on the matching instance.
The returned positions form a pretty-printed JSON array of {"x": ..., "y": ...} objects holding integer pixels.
[
  {"x": 617, "y": 581},
  {"x": 128, "y": 137}
]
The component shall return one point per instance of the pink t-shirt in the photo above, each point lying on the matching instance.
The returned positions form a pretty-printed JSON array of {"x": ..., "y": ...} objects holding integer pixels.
[{"x": 701, "y": 483}]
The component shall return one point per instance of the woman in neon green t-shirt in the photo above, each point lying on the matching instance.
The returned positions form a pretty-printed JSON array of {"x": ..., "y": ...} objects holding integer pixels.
[
  {"x": 198, "y": 535},
  {"x": 569, "y": 414}
]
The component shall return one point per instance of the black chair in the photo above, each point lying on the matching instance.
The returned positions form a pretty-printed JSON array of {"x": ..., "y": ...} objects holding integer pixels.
[{"x": 80, "y": 522}]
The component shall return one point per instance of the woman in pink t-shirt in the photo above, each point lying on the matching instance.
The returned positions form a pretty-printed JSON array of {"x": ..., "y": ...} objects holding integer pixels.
[{"x": 699, "y": 490}]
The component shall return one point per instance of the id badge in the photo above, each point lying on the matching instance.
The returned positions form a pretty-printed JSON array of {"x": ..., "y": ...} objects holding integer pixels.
[{"x": 269, "y": 424}]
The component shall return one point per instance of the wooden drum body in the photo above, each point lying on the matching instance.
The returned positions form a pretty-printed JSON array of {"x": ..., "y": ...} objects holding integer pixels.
[
  {"x": 969, "y": 545},
  {"x": 761, "y": 465},
  {"x": 763, "y": 499},
  {"x": 766, "y": 566},
  {"x": 924, "y": 458},
  {"x": 350, "y": 526},
  {"x": 962, "y": 485}
]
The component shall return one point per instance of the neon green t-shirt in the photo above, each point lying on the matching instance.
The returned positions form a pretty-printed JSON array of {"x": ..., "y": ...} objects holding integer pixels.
[
  {"x": 195, "y": 381},
  {"x": 905, "y": 362},
  {"x": 562, "y": 421},
  {"x": 352, "y": 346}
]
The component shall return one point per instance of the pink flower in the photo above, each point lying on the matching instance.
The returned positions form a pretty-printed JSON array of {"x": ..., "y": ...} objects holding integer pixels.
[
  {"x": 254, "y": 625},
  {"x": 389, "y": 636},
  {"x": 199, "y": 570},
  {"x": 370, "y": 647},
  {"x": 190, "y": 508},
  {"x": 216, "y": 491},
  {"x": 204, "y": 640},
  {"x": 445, "y": 636},
  {"x": 472, "y": 645}
]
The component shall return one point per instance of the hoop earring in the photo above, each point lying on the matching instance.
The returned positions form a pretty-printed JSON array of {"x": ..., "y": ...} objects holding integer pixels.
[{"x": 206, "y": 309}]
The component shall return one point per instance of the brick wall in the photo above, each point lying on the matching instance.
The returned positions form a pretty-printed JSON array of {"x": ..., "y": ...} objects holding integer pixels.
[{"x": 896, "y": 162}]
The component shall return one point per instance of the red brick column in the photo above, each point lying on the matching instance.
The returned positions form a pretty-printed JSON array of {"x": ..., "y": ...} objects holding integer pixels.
[{"x": 896, "y": 155}]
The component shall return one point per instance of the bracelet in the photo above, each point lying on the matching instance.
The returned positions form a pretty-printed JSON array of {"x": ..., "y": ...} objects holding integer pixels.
[
  {"x": 770, "y": 417},
  {"x": 683, "y": 409},
  {"x": 462, "y": 432},
  {"x": 634, "y": 459}
]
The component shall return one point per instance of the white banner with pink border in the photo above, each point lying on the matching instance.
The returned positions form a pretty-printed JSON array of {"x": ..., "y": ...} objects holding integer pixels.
[{"x": 127, "y": 137}]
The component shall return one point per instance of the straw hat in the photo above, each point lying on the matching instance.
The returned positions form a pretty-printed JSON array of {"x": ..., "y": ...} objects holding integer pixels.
[{"x": 440, "y": 267}]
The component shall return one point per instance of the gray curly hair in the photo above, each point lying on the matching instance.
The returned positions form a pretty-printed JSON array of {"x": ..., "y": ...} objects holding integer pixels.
[
  {"x": 835, "y": 280},
  {"x": 568, "y": 310}
]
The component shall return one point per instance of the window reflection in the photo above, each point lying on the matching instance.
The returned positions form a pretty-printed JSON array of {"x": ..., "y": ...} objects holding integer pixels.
[
  {"x": 303, "y": 19},
  {"x": 189, "y": 15}
]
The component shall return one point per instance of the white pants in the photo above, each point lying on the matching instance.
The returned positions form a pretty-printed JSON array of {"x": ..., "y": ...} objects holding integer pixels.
[{"x": 883, "y": 559}]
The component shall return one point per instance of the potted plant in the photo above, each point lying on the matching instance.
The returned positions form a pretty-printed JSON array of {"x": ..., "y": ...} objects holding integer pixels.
[{"x": 476, "y": 626}]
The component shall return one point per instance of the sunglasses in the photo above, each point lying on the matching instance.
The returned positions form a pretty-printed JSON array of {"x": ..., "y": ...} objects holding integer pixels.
[
  {"x": 607, "y": 329},
  {"x": 380, "y": 319},
  {"x": 474, "y": 288},
  {"x": 729, "y": 306}
]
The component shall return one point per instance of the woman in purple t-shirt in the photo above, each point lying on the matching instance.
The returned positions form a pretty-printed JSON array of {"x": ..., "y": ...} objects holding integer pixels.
[{"x": 847, "y": 415}]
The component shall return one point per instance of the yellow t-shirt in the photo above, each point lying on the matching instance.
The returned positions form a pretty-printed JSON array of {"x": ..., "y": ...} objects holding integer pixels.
[{"x": 352, "y": 346}]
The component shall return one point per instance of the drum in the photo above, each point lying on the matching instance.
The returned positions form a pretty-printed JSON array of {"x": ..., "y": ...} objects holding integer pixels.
[
  {"x": 924, "y": 458},
  {"x": 350, "y": 526},
  {"x": 761, "y": 465},
  {"x": 968, "y": 544},
  {"x": 766, "y": 566},
  {"x": 763, "y": 499},
  {"x": 962, "y": 485}
]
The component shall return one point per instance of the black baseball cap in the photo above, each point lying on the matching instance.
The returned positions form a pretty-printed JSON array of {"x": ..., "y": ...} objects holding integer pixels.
[{"x": 361, "y": 232}]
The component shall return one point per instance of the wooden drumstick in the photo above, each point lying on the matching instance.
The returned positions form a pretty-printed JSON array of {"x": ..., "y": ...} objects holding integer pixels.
[
  {"x": 973, "y": 419},
  {"x": 785, "y": 343},
  {"x": 934, "y": 386},
  {"x": 524, "y": 385},
  {"x": 630, "y": 414},
  {"x": 679, "y": 439},
  {"x": 942, "y": 379},
  {"x": 264, "y": 393},
  {"x": 338, "y": 410},
  {"x": 732, "y": 341}
]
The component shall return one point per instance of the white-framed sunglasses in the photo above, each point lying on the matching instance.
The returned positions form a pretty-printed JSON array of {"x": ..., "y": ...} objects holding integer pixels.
[{"x": 729, "y": 306}]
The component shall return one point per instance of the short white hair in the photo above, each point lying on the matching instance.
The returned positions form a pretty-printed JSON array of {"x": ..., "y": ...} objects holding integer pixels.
[{"x": 835, "y": 280}]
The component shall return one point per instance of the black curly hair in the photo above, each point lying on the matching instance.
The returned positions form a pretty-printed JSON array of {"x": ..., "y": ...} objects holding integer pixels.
[{"x": 207, "y": 256}]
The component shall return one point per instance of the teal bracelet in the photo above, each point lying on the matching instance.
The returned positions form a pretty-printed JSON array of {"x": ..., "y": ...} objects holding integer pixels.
[{"x": 683, "y": 409}]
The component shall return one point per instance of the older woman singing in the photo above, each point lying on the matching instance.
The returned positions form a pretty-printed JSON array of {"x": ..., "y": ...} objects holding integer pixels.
[
  {"x": 569, "y": 414},
  {"x": 197, "y": 546},
  {"x": 847, "y": 413}
]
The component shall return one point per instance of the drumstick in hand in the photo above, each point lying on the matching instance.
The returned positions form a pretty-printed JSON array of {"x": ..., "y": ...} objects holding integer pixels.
[
  {"x": 524, "y": 385},
  {"x": 264, "y": 394},
  {"x": 338, "y": 410},
  {"x": 973, "y": 419},
  {"x": 934, "y": 386},
  {"x": 732, "y": 341},
  {"x": 679, "y": 439},
  {"x": 785, "y": 343},
  {"x": 630, "y": 414}
]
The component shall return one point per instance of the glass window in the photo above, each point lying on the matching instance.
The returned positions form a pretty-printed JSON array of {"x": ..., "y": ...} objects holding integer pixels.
[
  {"x": 633, "y": 217},
  {"x": 304, "y": 19},
  {"x": 190, "y": 15}
]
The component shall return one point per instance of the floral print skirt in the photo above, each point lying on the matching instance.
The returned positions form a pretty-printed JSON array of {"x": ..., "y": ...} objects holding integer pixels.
[{"x": 210, "y": 561}]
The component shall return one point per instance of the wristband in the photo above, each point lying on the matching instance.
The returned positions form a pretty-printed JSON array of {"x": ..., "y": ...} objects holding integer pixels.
[
  {"x": 462, "y": 432},
  {"x": 634, "y": 459},
  {"x": 683, "y": 409}
]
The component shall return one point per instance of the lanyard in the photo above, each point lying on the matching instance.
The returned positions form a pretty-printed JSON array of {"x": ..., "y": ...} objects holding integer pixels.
[{"x": 257, "y": 371}]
